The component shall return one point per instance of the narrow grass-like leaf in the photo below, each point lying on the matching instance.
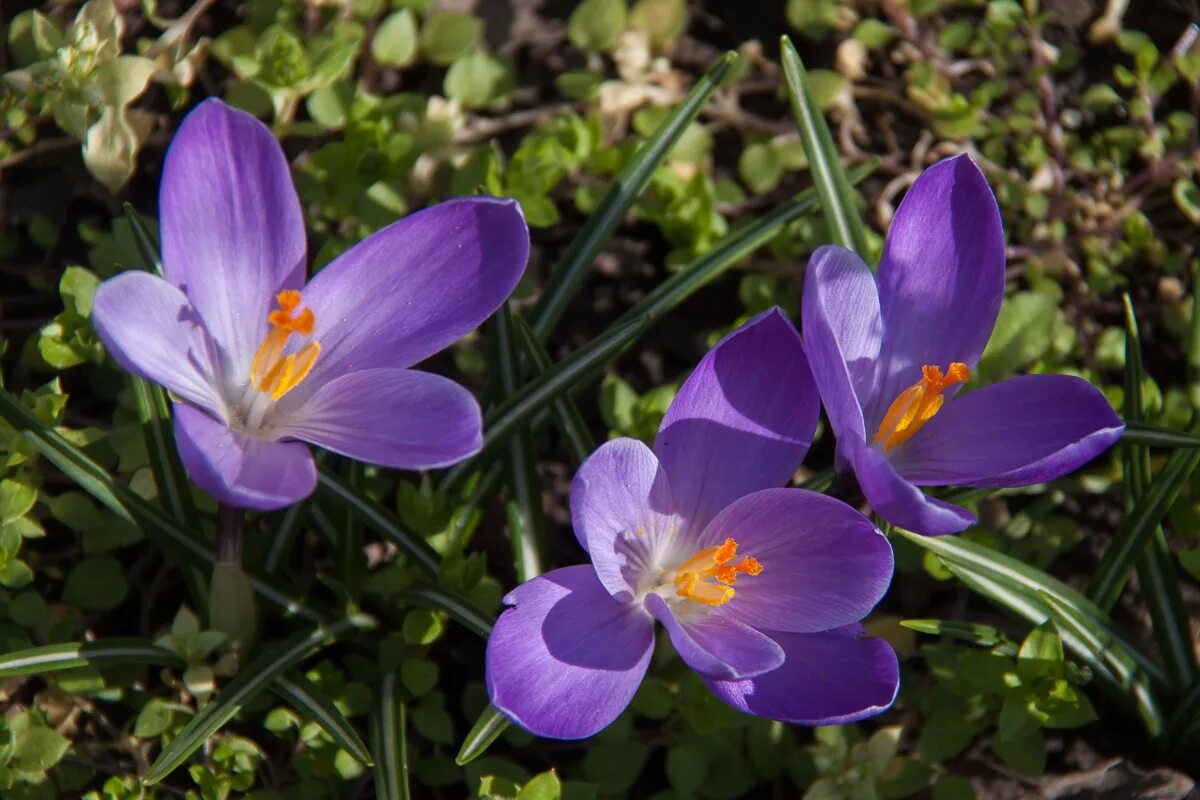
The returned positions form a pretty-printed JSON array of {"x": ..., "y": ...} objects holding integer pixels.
[
  {"x": 146, "y": 242},
  {"x": 380, "y": 520},
  {"x": 601, "y": 223},
  {"x": 487, "y": 729},
  {"x": 126, "y": 504},
  {"x": 1148, "y": 544},
  {"x": 1184, "y": 721},
  {"x": 1115, "y": 656},
  {"x": 981, "y": 635},
  {"x": 524, "y": 507},
  {"x": 249, "y": 682},
  {"x": 575, "y": 370},
  {"x": 174, "y": 491},
  {"x": 820, "y": 481},
  {"x": 70, "y": 655},
  {"x": 1020, "y": 579},
  {"x": 579, "y": 440},
  {"x": 837, "y": 199},
  {"x": 470, "y": 512},
  {"x": 1135, "y": 532},
  {"x": 300, "y": 693},
  {"x": 289, "y": 524},
  {"x": 389, "y": 737},
  {"x": 458, "y": 608},
  {"x": 1156, "y": 436}
]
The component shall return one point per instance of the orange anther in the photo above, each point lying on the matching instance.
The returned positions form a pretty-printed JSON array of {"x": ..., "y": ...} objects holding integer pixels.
[
  {"x": 692, "y": 576},
  {"x": 918, "y": 404},
  {"x": 273, "y": 372}
]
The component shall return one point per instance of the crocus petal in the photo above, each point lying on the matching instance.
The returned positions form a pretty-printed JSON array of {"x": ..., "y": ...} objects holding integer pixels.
[
  {"x": 398, "y": 418},
  {"x": 150, "y": 329},
  {"x": 621, "y": 512},
  {"x": 899, "y": 501},
  {"x": 842, "y": 334},
  {"x": 742, "y": 421},
  {"x": 1024, "y": 430},
  {"x": 566, "y": 659},
  {"x": 824, "y": 564},
  {"x": 827, "y": 678},
  {"x": 941, "y": 277},
  {"x": 715, "y": 644},
  {"x": 416, "y": 286},
  {"x": 232, "y": 231},
  {"x": 240, "y": 469}
]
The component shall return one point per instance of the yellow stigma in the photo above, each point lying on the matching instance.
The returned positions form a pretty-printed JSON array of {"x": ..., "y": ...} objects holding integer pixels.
[
  {"x": 918, "y": 404},
  {"x": 272, "y": 372},
  {"x": 691, "y": 577}
]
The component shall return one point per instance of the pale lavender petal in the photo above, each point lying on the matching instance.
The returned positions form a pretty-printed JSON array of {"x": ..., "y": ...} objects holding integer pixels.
[
  {"x": 232, "y": 231},
  {"x": 941, "y": 277},
  {"x": 566, "y": 659},
  {"x": 713, "y": 643},
  {"x": 899, "y": 501},
  {"x": 416, "y": 286},
  {"x": 150, "y": 329},
  {"x": 1025, "y": 430},
  {"x": 829, "y": 678},
  {"x": 240, "y": 469},
  {"x": 842, "y": 334},
  {"x": 824, "y": 564},
  {"x": 742, "y": 421},
  {"x": 621, "y": 512},
  {"x": 398, "y": 418}
]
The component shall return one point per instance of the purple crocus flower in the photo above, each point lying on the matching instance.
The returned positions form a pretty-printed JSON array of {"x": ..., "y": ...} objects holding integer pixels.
[
  {"x": 759, "y": 587},
  {"x": 259, "y": 361},
  {"x": 890, "y": 353}
]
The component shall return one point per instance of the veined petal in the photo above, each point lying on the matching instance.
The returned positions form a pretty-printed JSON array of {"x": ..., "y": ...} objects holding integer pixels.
[
  {"x": 621, "y": 512},
  {"x": 398, "y": 418},
  {"x": 565, "y": 660},
  {"x": 240, "y": 469},
  {"x": 151, "y": 330},
  {"x": 418, "y": 285},
  {"x": 899, "y": 501},
  {"x": 232, "y": 231},
  {"x": 823, "y": 564},
  {"x": 716, "y": 644},
  {"x": 829, "y": 678},
  {"x": 941, "y": 277},
  {"x": 742, "y": 421},
  {"x": 1025, "y": 430},
  {"x": 842, "y": 334}
]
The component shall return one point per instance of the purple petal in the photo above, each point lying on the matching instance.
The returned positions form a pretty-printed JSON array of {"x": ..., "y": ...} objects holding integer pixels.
[
  {"x": 397, "y": 418},
  {"x": 240, "y": 469},
  {"x": 416, "y": 286},
  {"x": 900, "y": 502},
  {"x": 941, "y": 277},
  {"x": 824, "y": 564},
  {"x": 150, "y": 329},
  {"x": 232, "y": 231},
  {"x": 742, "y": 421},
  {"x": 827, "y": 678},
  {"x": 713, "y": 643},
  {"x": 842, "y": 334},
  {"x": 621, "y": 512},
  {"x": 1025, "y": 430},
  {"x": 566, "y": 659}
]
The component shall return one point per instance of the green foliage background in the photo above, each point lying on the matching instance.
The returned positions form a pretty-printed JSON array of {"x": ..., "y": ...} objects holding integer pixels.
[{"x": 1084, "y": 124}]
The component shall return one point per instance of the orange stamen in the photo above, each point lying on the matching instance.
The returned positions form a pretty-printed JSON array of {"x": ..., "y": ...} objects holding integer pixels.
[
  {"x": 918, "y": 404},
  {"x": 271, "y": 371},
  {"x": 692, "y": 576}
]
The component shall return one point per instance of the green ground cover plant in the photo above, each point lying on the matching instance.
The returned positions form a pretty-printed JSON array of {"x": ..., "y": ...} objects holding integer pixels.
[{"x": 677, "y": 163}]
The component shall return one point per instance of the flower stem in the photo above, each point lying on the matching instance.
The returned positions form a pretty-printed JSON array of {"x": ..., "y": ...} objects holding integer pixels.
[{"x": 229, "y": 534}]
